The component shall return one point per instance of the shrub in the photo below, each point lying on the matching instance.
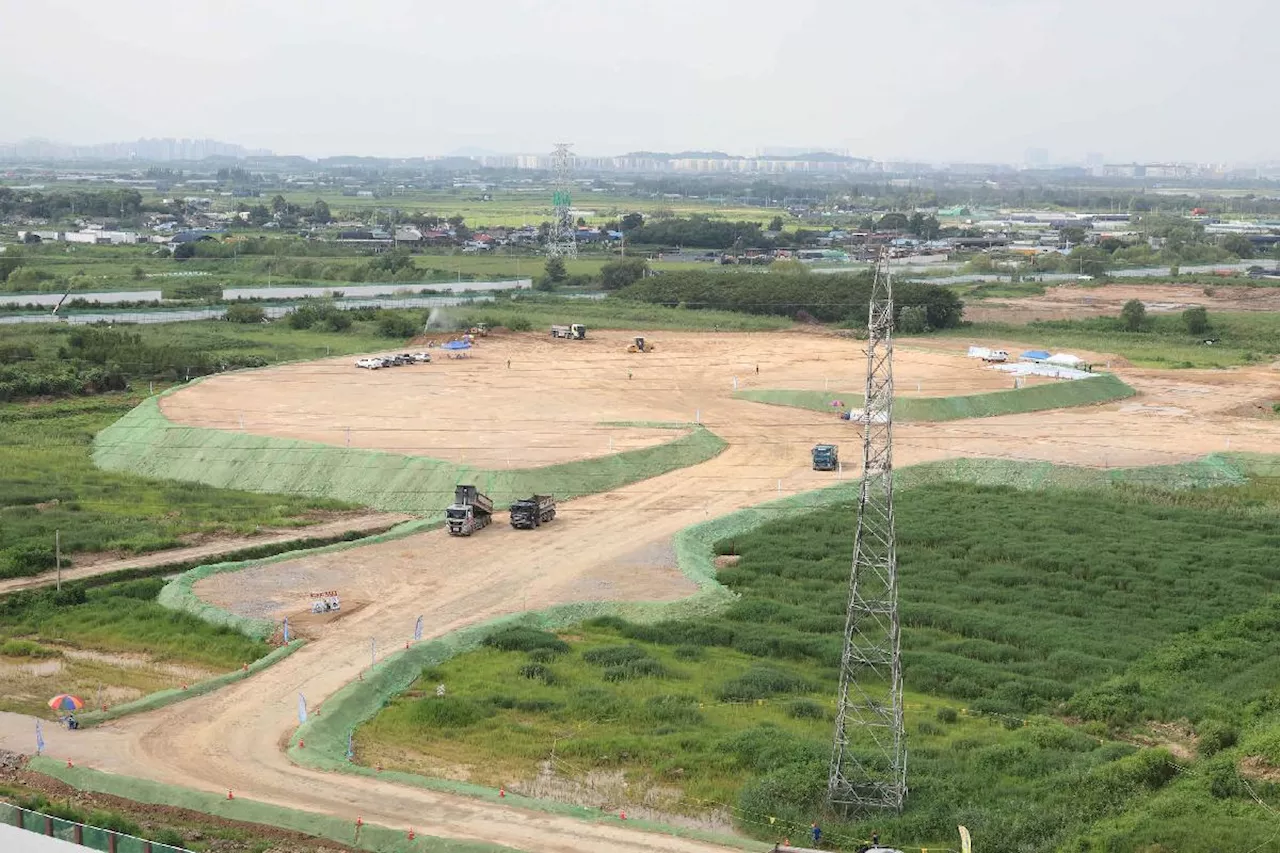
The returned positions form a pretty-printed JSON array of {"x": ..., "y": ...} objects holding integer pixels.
[
  {"x": 26, "y": 649},
  {"x": 114, "y": 822},
  {"x": 671, "y": 709},
  {"x": 243, "y": 313},
  {"x": 690, "y": 652},
  {"x": 1133, "y": 316},
  {"x": 520, "y": 324},
  {"x": 1214, "y": 736},
  {"x": 538, "y": 672},
  {"x": 449, "y": 712},
  {"x": 542, "y": 655},
  {"x": 595, "y": 703},
  {"x": 613, "y": 655},
  {"x": 639, "y": 668},
  {"x": 761, "y": 682},
  {"x": 518, "y": 638},
  {"x": 806, "y": 709},
  {"x": 925, "y": 727},
  {"x": 1196, "y": 320},
  {"x": 947, "y": 715},
  {"x": 168, "y": 837},
  {"x": 392, "y": 324}
]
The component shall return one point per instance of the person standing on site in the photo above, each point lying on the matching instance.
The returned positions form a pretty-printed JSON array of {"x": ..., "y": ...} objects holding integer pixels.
[{"x": 816, "y": 832}]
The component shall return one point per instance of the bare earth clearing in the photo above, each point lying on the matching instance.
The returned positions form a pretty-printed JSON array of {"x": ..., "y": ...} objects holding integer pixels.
[
  {"x": 1075, "y": 301},
  {"x": 546, "y": 407}
]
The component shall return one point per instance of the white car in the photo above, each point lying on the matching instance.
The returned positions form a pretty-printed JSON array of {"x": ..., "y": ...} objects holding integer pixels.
[
  {"x": 421, "y": 357},
  {"x": 369, "y": 363}
]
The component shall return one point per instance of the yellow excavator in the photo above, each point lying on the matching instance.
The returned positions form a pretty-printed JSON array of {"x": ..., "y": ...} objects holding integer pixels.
[{"x": 640, "y": 345}]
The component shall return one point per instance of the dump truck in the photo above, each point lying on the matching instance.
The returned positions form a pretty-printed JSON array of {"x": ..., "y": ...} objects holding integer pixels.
[
  {"x": 574, "y": 331},
  {"x": 639, "y": 344},
  {"x": 826, "y": 457},
  {"x": 531, "y": 512},
  {"x": 470, "y": 511}
]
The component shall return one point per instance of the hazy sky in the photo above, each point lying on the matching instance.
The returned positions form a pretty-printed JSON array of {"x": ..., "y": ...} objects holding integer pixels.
[{"x": 923, "y": 79}]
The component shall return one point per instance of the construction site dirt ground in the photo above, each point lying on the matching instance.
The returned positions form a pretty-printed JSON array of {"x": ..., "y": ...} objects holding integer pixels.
[{"x": 548, "y": 406}]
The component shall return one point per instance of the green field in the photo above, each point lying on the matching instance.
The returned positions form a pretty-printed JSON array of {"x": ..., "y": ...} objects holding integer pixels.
[
  {"x": 1242, "y": 338},
  {"x": 1034, "y": 398},
  {"x": 113, "y": 638},
  {"x": 50, "y": 484},
  {"x": 1044, "y": 634}
]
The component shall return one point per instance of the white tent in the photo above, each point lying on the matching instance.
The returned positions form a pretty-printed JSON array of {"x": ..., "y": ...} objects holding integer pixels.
[{"x": 1065, "y": 359}]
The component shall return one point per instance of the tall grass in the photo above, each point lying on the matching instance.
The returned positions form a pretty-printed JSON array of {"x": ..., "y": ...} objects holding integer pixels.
[
  {"x": 49, "y": 484},
  {"x": 1017, "y": 607}
]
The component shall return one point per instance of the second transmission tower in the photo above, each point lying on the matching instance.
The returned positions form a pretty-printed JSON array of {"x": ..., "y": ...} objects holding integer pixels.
[
  {"x": 869, "y": 759},
  {"x": 562, "y": 238}
]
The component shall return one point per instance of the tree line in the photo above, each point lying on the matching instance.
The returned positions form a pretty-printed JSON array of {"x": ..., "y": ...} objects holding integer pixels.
[{"x": 839, "y": 298}]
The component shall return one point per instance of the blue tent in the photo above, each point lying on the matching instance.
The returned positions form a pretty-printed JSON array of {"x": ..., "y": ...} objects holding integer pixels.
[
  {"x": 455, "y": 345},
  {"x": 1035, "y": 355}
]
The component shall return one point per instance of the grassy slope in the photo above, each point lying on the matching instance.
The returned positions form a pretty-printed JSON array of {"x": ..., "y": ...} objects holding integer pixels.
[
  {"x": 1100, "y": 389},
  {"x": 1002, "y": 614},
  {"x": 121, "y": 618},
  {"x": 1243, "y": 338},
  {"x": 145, "y": 442},
  {"x": 45, "y": 455}
]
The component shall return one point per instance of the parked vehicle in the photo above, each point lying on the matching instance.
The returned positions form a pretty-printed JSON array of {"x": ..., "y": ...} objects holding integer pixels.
[
  {"x": 575, "y": 331},
  {"x": 531, "y": 512},
  {"x": 470, "y": 511},
  {"x": 826, "y": 457},
  {"x": 639, "y": 344},
  {"x": 421, "y": 357},
  {"x": 369, "y": 363}
]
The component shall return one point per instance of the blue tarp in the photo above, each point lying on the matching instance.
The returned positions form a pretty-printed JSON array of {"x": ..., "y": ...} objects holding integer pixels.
[
  {"x": 1035, "y": 355},
  {"x": 465, "y": 345}
]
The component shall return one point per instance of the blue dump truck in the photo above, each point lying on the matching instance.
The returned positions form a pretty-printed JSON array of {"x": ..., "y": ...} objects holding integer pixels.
[{"x": 826, "y": 457}]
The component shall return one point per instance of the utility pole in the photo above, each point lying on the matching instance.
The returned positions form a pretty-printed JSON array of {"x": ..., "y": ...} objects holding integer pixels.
[
  {"x": 868, "y": 771},
  {"x": 57, "y": 555}
]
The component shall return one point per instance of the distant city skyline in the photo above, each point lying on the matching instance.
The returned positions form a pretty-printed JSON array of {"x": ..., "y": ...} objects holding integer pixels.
[
  {"x": 917, "y": 80},
  {"x": 178, "y": 149}
]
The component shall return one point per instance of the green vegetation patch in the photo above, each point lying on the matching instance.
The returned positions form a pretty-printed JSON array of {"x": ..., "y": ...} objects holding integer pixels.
[
  {"x": 50, "y": 484},
  {"x": 115, "y": 636},
  {"x": 145, "y": 442},
  {"x": 1102, "y": 388},
  {"x": 1016, "y": 605}
]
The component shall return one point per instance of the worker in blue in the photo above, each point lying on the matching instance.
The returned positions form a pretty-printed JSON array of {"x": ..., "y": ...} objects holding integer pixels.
[{"x": 816, "y": 832}]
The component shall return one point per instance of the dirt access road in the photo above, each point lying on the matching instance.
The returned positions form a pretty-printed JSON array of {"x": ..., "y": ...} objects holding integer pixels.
[
  {"x": 92, "y": 565},
  {"x": 1073, "y": 301},
  {"x": 610, "y": 545}
]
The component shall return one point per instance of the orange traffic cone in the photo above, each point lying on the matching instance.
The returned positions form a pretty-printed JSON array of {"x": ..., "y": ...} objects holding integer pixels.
[
  {"x": 622, "y": 815},
  {"x": 230, "y": 796},
  {"x": 359, "y": 820},
  {"x": 411, "y": 833},
  {"x": 302, "y": 744},
  {"x": 68, "y": 762}
]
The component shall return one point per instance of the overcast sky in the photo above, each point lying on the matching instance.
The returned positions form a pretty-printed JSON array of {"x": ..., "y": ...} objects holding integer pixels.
[{"x": 921, "y": 79}]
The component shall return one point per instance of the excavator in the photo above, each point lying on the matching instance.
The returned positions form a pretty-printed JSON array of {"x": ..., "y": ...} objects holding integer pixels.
[{"x": 640, "y": 345}]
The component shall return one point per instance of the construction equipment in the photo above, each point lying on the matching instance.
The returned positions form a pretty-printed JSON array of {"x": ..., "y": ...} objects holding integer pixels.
[
  {"x": 574, "y": 331},
  {"x": 479, "y": 330},
  {"x": 531, "y": 512},
  {"x": 470, "y": 511},
  {"x": 641, "y": 345},
  {"x": 826, "y": 457}
]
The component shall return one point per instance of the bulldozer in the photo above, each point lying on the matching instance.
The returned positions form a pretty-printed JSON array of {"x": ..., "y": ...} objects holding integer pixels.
[
  {"x": 479, "y": 330},
  {"x": 640, "y": 345}
]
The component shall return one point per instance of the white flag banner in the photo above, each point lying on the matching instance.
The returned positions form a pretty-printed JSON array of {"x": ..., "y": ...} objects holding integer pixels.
[{"x": 302, "y": 709}]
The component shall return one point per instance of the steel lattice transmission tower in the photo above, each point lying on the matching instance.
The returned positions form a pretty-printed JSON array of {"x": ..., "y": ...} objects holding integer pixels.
[
  {"x": 562, "y": 239},
  {"x": 869, "y": 759}
]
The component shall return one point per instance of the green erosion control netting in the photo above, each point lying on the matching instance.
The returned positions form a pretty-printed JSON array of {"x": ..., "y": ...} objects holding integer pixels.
[
  {"x": 339, "y": 829},
  {"x": 179, "y": 593},
  {"x": 359, "y": 701},
  {"x": 163, "y": 698},
  {"x": 1100, "y": 388},
  {"x": 145, "y": 442}
]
